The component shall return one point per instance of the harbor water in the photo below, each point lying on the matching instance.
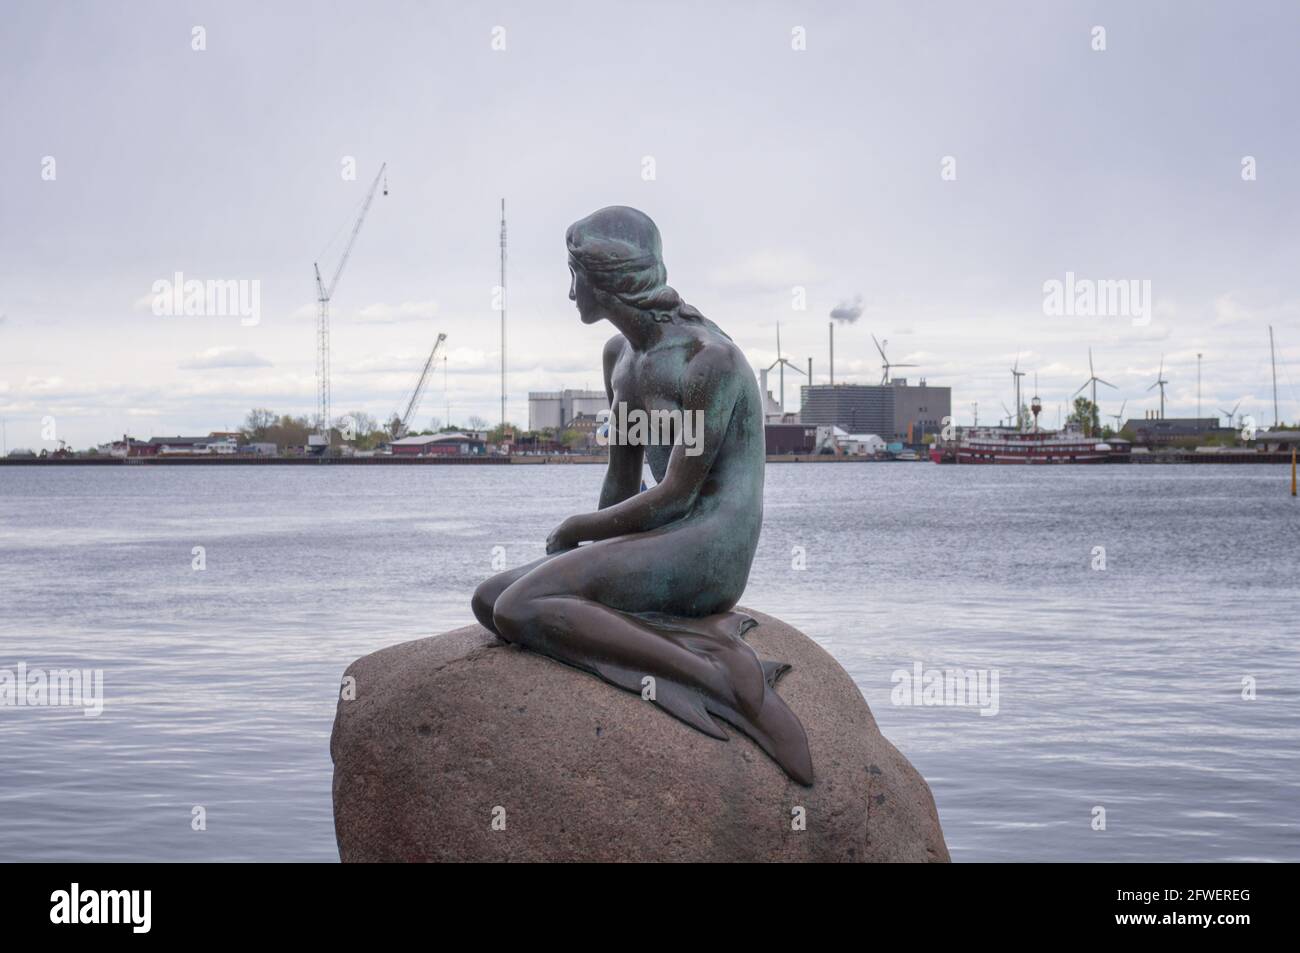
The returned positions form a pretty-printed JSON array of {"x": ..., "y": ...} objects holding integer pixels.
[{"x": 1141, "y": 623}]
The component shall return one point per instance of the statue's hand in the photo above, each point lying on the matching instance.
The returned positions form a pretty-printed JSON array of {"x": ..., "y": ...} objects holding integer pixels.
[{"x": 565, "y": 536}]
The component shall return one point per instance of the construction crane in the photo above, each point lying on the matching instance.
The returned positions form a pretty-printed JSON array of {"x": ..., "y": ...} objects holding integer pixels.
[
  {"x": 320, "y": 441},
  {"x": 413, "y": 405}
]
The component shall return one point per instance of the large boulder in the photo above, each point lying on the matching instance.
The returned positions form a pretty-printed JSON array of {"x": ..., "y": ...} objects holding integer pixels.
[{"x": 461, "y": 747}]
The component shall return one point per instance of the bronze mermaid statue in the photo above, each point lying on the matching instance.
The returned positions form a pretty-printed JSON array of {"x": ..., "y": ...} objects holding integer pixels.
[{"x": 641, "y": 591}]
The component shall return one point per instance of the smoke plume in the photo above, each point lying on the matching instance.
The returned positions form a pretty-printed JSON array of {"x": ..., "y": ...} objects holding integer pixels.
[{"x": 848, "y": 311}]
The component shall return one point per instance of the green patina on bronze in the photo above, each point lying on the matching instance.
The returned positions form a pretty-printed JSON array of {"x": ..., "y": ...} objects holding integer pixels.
[{"x": 640, "y": 592}]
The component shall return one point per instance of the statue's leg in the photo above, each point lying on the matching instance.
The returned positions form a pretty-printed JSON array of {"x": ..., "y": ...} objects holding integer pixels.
[
  {"x": 601, "y": 640},
  {"x": 576, "y": 607},
  {"x": 568, "y": 607},
  {"x": 486, "y": 595}
]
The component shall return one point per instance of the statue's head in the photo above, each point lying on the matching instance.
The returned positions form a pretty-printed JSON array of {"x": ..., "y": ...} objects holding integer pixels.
[{"x": 616, "y": 253}]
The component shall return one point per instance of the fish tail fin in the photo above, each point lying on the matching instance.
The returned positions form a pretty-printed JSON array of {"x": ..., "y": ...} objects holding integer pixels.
[{"x": 772, "y": 671}]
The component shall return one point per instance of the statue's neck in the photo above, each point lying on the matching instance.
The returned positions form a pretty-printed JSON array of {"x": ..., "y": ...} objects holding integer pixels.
[{"x": 641, "y": 330}]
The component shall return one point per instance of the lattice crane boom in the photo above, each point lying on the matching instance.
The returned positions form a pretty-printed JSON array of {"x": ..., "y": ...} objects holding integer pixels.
[
  {"x": 323, "y": 294},
  {"x": 413, "y": 405}
]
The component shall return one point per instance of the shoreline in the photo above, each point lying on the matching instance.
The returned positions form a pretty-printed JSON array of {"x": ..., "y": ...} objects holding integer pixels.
[{"x": 1243, "y": 457}]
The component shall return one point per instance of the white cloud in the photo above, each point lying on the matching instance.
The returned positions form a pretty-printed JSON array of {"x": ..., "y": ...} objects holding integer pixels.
[
  {"x": 43, "y": 385},
  {"x": 382, "y": 313},
  {"x": 768, "y": 271},
  {"x": 219, "y": 357}
]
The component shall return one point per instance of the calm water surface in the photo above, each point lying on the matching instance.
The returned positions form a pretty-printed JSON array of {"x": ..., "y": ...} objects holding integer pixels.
[{"x": 1119, "y": 688}]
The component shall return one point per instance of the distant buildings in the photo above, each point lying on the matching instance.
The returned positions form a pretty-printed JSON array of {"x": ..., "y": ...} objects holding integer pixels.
[
  {"x": 130, "y": 447},
  {"x": 440, "y": 444},
  {"x": 213, "y": 443},
  {"x": 808, "y": 439},
  {"x": 556, "y": 410},
  {"x": 894, "y": 411},
  {"x": 790, "y": 438},
  {"x": 863, "y": 445},
  {"x": 586, "y": 426},
  {"x": 1154, "y": 431},
  {"x": 222, "y": 443}
]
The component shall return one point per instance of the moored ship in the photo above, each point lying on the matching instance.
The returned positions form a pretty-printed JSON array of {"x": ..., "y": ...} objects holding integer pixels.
[{"x": 1012, "y": 445}]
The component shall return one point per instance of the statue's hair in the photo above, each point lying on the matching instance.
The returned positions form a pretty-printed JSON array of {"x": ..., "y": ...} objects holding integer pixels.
[{"x": 619, "y": 251}]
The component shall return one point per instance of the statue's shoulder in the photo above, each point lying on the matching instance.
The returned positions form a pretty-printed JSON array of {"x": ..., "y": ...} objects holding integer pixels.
[
  {"x": 614, "y": 347},
  {"x": 717, "y": 357},
  {"x": 609, "y": 358}
]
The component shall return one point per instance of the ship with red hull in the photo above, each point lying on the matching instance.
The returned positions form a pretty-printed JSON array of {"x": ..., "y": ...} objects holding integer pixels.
[
  {"x": 1016, "y": 445},
  {"x": 1006, "y": 445}
]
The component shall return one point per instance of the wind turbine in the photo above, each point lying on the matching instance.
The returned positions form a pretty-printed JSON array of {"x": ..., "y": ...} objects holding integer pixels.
[
  {"x": 886, "y": 365},
  {"x": 1010, "y": 416},
  {"x": 781, "y": 363},
  {"x": 1016, "y": 374},
  {"x": 1094, "y": 380},
  {"x": 1119, "y": 418},
  {"x": 1230, "y": 414},
  {"x": 1161, "y": 382}
]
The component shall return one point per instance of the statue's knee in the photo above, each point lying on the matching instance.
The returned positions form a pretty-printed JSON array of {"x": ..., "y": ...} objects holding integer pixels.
[
  {"x": 510, "y": 614},
  {"x": 481, "y": 603}
]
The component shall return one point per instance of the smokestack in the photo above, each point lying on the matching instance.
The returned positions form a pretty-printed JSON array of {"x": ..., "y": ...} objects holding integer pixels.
[
  {"x": 832, "y": 352},
  {"x": 810, "y": 371}
]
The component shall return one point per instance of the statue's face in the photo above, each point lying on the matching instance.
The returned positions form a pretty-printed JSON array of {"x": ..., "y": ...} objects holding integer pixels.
[{"x": 581, "y": 294}]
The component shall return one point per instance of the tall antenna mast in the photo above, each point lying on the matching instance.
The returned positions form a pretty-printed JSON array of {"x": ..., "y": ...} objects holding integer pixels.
[
  {"x": 1272, "y": 356},
  {"x": 503, "y": 319},
  {"x": 1198, "y": 383}
]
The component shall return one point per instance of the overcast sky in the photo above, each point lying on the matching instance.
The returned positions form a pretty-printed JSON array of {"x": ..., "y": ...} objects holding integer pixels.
[{"x": 774, "y": 168}]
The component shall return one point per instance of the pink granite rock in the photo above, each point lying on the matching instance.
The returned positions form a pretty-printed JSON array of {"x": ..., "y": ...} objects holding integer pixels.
[{"x": 460, "y": 747}]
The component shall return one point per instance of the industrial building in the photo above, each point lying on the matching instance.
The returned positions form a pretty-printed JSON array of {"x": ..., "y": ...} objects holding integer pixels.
[
  {"x": 555, "y": 410},
  {"x": 895, "y": 411},
  {"x": 587, "y": 426},
  {"x": 439, "y": 444},
  {"x": 789, "y": 438},
  {"x": 1154, "y": 431}
]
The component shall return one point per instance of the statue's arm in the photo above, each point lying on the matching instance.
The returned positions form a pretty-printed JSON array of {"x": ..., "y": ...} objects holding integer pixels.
[
  {"x": 710, "y": 391},
  {"x": 623, "y": 476}
]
